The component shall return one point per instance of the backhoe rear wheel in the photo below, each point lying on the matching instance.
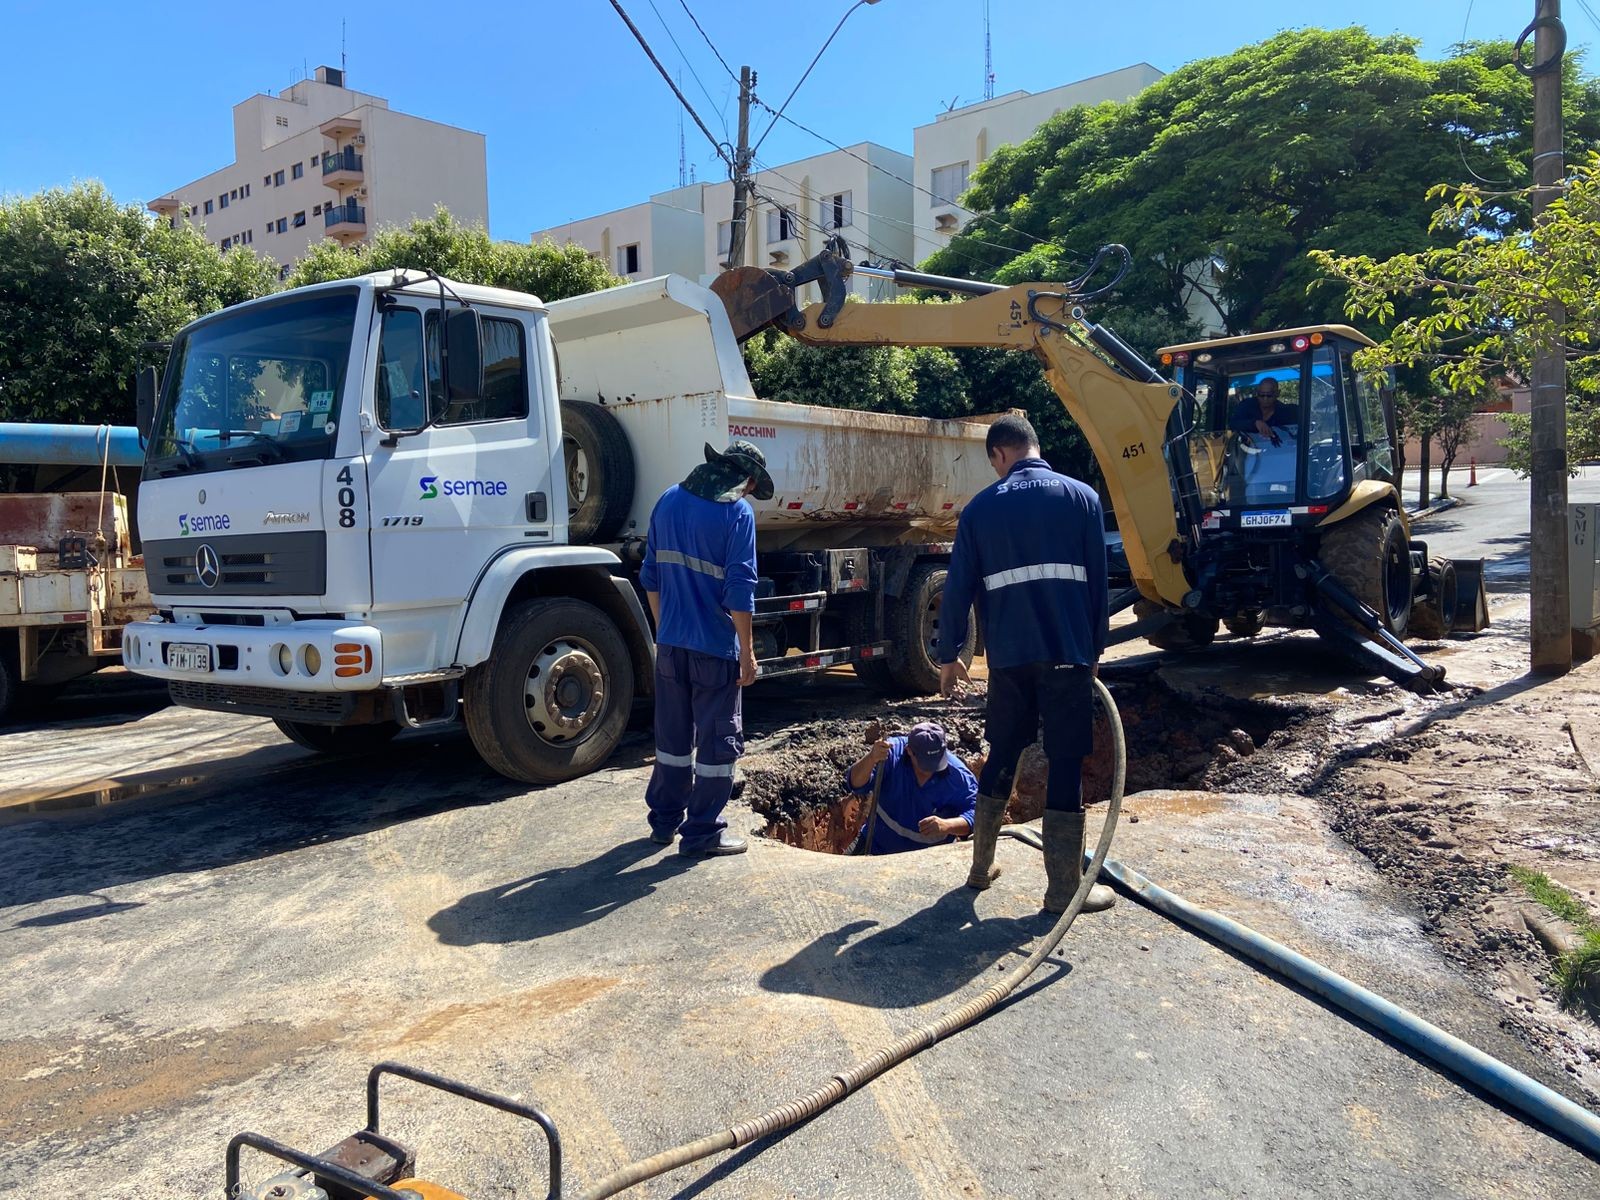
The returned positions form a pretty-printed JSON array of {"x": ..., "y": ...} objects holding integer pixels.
[
  {"x": 1370, "y": 554},
  {"x": 1244, "y": 624}
]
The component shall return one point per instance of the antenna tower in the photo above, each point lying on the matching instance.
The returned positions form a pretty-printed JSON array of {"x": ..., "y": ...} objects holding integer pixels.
[
  {"x": 683, "y": 168},
  {"x": 988, "y": 57}
]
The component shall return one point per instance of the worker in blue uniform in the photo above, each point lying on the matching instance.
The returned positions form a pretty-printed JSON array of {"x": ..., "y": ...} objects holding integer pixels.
[
  {"x": 925, "y": 796},
  {"x": 699, "y": 574},
  {"x": 1030, "y": 550}
]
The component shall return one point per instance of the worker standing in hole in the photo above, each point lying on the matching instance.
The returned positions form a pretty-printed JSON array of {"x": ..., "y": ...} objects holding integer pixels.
[
  {"x": 926, "y": 795},
  {"x": 1030, "y": 550},
  {"x": 699, "y": 573}
]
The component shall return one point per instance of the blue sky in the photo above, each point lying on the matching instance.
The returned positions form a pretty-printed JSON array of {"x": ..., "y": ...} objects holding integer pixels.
[{"x": 577, "y": 120}]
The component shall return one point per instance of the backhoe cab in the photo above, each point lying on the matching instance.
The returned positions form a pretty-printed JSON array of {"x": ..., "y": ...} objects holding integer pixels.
[{"x": 1232, "y": 510}]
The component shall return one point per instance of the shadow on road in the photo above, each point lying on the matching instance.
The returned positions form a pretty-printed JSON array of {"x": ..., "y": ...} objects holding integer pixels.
[
  {"x": 560, "y": 899},
  {"x": 239, "y": 816},
  {"x": 927, "y": 956}
]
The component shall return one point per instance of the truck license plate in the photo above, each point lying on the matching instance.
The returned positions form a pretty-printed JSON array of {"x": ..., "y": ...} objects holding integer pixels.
[
  {"x": 186, "y": 656},
  {"x": 1257, "y": 520}
]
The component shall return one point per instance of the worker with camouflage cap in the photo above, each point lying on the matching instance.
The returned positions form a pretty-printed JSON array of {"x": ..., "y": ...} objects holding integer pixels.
[{"x": 699, "y": 573}]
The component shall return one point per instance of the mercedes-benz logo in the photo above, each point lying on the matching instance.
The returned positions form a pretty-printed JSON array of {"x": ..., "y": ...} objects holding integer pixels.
[{"x": 207, "y": 567}]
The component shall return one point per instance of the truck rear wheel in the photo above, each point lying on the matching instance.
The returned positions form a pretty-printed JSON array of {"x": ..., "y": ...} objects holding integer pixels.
[
  {"x": 342, "y": 740},
  {"x": 600, "y": 474},
  {"x": 552, "y": 701},
  {"x": 913, "y": 631},
  {"x": 1370, "y": 555}
]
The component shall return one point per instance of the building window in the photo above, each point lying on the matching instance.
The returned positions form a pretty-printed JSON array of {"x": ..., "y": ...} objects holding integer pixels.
[
  {"x": 245, "y": 191},
  {"x": 208, "y": 208},
  {"x": 277, "y": 179},
  {"x": 296, "y": 171},
  {"x": 249, "y": 237},
  {"x": 782, "y": 225},
  {"x": 724, "y": 237},
  {"x": 234, "y": 194},
  {"x": 283, "y": 122},
  {"x": 628, "y": 260},
  {"x": 836, "y": 211},
  {"x": 266, "y": 181},
  {"x": 222, "y": 200},
  {"x": 948, "y": 183},
  {"x": 283, "y": 225},
  {"x": 315, "y": 159},
  {"x": 316, "y": 210},
  {"x": 283, "y": 272},
  {"x": 299, "y": 218}
]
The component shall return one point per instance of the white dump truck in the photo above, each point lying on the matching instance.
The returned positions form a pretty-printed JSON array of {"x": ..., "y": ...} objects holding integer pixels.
[{"x": 399, "y": 500}]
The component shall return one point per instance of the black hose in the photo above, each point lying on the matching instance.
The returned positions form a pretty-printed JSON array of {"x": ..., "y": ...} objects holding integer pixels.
[{"x": 864, "y": 1072}]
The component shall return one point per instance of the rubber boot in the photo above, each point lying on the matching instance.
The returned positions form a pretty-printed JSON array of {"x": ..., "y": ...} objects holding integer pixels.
[
  {"x": 985, "y": 830},
  {"x": 1063, "y": 864}
]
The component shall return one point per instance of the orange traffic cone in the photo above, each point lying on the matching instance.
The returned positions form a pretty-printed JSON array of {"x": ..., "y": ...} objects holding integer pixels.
[{"x": 1472, "y": 474}]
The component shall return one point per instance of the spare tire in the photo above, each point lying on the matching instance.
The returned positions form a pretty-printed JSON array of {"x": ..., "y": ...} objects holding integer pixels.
[{"x": 600, "y": 473}]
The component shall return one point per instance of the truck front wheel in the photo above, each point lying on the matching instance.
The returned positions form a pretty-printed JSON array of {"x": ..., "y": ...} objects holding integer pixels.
[
  {"x": 342, "y": 740},
  {"x": 552, "y": 701}
]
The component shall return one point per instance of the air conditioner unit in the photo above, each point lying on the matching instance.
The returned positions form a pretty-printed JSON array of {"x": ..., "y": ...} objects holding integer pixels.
[
  {"x": 362, "y": 192},
  {"x": 361, "y": 139}
]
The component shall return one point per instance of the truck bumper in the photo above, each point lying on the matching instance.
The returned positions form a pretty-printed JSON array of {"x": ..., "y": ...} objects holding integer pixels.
[{"x": 317, "y": 657}]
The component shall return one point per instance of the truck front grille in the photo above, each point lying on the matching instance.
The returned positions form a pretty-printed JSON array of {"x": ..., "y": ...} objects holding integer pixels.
[
  {"x": 247, "y": 564},
  {"x": 322, "y": 708}
]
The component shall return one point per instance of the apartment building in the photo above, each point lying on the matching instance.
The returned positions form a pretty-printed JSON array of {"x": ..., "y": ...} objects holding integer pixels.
[
  {"x": 951, "y": 146},
  {"x": 321, "y": 160},
  {"x": 861, "y": 193}
]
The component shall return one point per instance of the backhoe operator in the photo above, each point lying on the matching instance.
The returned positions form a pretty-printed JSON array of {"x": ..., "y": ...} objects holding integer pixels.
[{"x": 1031, "y": 551}]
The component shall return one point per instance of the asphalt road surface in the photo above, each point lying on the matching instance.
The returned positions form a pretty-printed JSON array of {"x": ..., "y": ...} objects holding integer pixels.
[
  {"x": 231, "y": 948},
  {"x": 1490, "y": 521}
]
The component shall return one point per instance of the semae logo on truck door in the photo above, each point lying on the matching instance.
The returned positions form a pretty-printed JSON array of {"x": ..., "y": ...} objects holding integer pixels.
[{"x": 433, "y": 487}]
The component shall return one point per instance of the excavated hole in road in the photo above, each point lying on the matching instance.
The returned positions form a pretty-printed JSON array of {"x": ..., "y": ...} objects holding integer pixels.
[{"x": 1187, "y": 741}]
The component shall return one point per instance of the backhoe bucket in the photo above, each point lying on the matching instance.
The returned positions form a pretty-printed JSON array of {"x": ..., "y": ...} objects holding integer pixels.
[
  {"x": 754, "y": 300},
  {"x": 1472, "y": 597}
]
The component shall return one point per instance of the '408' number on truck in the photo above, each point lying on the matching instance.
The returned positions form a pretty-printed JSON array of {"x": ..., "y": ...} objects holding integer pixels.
[{"x": 346, "y": 498}]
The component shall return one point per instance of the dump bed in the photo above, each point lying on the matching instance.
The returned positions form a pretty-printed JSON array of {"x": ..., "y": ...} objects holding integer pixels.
[{"x": 661, "y": 356}]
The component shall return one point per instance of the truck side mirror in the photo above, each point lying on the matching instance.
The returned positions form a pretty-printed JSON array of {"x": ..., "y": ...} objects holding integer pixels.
[
  {"x": 146, "y": 383},
  {"x": 463, "y": 356}
]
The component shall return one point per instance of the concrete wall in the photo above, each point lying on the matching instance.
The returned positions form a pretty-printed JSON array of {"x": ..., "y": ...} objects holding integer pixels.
[
  {"x": 1483, "y": 445},
  {"x": 413, "y": 165}
]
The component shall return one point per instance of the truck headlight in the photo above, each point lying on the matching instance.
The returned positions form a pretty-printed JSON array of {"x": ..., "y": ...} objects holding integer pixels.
[
  {"x": 284, "y": 658},
  {"x": 310, "y": 659}
]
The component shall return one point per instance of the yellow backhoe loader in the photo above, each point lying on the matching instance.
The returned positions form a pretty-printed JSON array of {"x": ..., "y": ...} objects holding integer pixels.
[{"x": 1225, "y": 517}]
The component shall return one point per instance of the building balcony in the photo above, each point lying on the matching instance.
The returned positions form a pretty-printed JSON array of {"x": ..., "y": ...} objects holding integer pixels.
[
  {"x": 165, "y": 206},
  {"x": 341, "y": 167},
  {"x": 345, "y": 221},
  {"x": 341, "y": 129}
]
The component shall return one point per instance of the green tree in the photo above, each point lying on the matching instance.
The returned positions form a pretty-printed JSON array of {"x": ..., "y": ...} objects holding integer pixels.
[
  {"x": 1483, "y": 302},
  {"x": 83, "y": 281},
  {"x": 465, "y": 253},
  {"x": 1222, "y": 175}
]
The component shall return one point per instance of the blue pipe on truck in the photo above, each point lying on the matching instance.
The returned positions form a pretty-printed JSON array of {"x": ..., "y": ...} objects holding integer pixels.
[{"x": 69, "y": 445}]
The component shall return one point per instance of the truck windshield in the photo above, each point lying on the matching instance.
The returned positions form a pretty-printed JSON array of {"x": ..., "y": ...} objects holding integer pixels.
[{"x": 258, "y": 386}]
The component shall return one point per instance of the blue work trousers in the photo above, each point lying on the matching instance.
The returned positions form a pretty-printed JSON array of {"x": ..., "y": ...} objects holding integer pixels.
[{"x": 699, "y": 736}]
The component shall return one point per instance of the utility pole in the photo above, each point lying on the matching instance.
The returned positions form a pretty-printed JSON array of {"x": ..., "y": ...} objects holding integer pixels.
[
  {"x": 1551, "y": 640},
  {"x": 741, "y": 171}
]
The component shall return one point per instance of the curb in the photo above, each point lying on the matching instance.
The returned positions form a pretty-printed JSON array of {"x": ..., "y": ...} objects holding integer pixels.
[{"x": 1439, "y": 506}]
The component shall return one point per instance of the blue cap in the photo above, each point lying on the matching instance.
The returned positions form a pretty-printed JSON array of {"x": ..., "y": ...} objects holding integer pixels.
[{"x": 926, "y": 745}]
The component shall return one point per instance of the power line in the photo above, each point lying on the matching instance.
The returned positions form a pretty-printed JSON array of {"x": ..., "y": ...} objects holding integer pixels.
[
  {"x": 804, "y": 76},
  {"x": 731, "y": 74},
  {"x": 682, "y": 99},
  {"x": 684, "y": 58}
]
